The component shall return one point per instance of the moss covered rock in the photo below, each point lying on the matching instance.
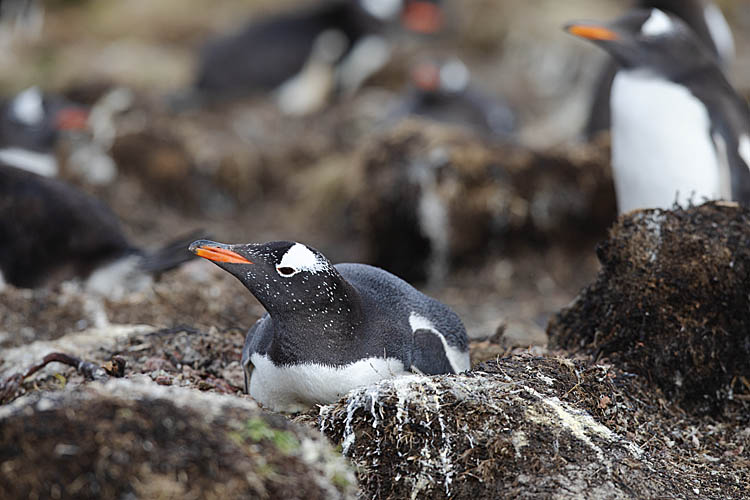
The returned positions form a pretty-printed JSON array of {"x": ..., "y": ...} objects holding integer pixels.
[{"x": 140, "y": 440}]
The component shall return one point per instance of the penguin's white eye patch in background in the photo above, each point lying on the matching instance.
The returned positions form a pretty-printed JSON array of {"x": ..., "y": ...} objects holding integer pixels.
[
  {"x": 657, "y": 24},
  {"x": 28, "y": 108},
  {"x": 299, "y": 258}
]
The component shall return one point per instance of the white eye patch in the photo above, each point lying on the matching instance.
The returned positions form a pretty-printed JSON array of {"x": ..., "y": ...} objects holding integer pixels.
[
  {"x": 297, "y": 259},
  {"x": 27, "y": 107},
  {"x": 657, "y": 24},
  {"x": 381, "y": 9}
]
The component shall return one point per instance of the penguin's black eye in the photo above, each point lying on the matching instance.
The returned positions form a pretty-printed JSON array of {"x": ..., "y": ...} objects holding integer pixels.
[{"x": 286, "y": 271}]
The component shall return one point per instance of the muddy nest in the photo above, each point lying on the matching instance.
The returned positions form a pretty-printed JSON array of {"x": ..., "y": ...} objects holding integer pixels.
[
  {"x": 671, "y": 302},
  {"x": 139, "y": 440},
  {"x": 449, "y": 199},
  {"x": 532, "y": 427}
]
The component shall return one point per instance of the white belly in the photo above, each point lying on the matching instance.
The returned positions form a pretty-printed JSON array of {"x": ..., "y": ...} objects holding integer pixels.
[
  {"x": 661, "y": 145},
  {"x": 298, "y": 387}
]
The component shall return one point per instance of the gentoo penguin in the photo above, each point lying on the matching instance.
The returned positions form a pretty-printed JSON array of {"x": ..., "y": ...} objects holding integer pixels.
[
  {"x": 52, "y": 231},
  {"x": 442, "y": 92},
  {"x": 708, "y": 23},
  {"x": 30, "y": 124},
  {"x": 329, "y": 329},
  {"x": 304, "y": 55},
  {"x": 680, "y": 132}
]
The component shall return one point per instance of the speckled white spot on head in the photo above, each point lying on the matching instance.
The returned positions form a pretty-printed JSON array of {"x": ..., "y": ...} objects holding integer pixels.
[
  {"x": 657, "y": 24},
  {"x": 300, "y": 258},
  {"x": 459, "y": 360},
  {"x": 381, "y": 9},
  {"x": 27, "y": 107},
  {"x": 744, "y": 149}
]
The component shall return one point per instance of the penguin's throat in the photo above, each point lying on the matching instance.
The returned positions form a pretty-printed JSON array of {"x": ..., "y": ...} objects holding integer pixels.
[{"x": 332, "y": 311}]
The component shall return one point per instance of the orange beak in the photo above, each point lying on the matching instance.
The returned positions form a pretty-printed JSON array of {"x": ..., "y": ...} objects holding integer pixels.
[
  {"x": 217, "y": 254},
  {"x": 591, "y": 32},
  {"x": 423, "y": 17},
  {"x": 72, "y": 119}
]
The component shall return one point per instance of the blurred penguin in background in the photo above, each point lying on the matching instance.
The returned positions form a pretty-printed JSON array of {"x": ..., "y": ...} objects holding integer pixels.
[
  {"x": 708, "y": 23},
  {"x": 443, "y": 92},
  {"x": 31, "y": 123},
  {"x": 302, "y": 56},
  {"x": 680, "y": 132}
]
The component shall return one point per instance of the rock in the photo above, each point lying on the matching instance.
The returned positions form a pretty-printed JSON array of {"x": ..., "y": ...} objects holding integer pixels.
[
  {"x": 671, "y": 302},
  {"x": 526, "y": 427},
  {"x": 127, "y": 439},
  {"x": 449, "y": 199}
]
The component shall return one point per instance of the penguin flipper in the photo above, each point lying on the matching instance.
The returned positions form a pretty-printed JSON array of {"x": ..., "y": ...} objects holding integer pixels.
[
  {"x": 429, "y": 355},
  {"x": 172, "y": 254}
]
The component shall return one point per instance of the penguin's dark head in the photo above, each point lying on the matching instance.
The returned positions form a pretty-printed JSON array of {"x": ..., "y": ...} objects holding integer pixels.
[
  {"x": 648, "y": 39},
  {"x": 32, "y": 120},
  {"x": 283, "y": 275}
]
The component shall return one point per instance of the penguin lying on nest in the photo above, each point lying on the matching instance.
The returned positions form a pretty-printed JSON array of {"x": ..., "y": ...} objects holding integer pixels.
[
  {"x": 52, "y": 231},
  {"x": 329, "y": 329},
  {"x": 680, "y": 132}
]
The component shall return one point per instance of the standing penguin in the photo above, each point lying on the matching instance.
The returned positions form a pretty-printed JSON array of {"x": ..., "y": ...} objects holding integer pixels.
[
  {"x": 706, "y": 21},
  {"x": 329, "y": 329},
  {"x": 679, "y": 130}
]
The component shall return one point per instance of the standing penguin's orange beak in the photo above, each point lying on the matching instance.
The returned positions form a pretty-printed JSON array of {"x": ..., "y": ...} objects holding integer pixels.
[{"x": 591, "y": 32}]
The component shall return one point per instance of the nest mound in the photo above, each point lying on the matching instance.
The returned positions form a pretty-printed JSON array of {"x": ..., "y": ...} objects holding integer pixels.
[
  {"x": 449, "y": 197},
  {"x": 527, "y": 427},
  {"x": 671, "y": 302},
  {"x": 124, "y": 439}
]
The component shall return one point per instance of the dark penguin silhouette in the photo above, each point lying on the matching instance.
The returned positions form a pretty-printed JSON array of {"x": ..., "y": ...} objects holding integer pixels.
[
  {"x": 442, "y": 92},
  {"x": 330, "y": 328},
  {"x": 680, "y": 132},
  {"x": 705, "y": 19},
  {"x": 52, "y": 231},
  {"x": 306, "y": 54},
  {"x": 30, "y": 125}
]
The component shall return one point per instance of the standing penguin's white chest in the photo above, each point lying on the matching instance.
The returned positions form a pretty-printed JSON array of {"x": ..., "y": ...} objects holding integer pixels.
[{"x": 662, "y": 150}]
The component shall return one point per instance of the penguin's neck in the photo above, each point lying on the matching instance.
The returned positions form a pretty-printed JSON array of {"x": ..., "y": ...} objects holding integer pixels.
[{"x": 326, "y": 313}]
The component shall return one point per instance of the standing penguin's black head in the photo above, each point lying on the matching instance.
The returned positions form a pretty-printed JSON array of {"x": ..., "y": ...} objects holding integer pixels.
[
  {"x": 32, "y": 120},
  {"x": 648, "y": 39},
  {"x": 287, "y": 277}
]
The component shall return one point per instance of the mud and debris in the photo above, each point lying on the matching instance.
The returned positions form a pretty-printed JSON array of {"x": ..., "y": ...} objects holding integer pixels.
[
  {"x": 671, "y": 303},
  {"x": 132, "y": 438},
  {"x": 530, "y": 427},
  {"x": 453, "y": 200}
]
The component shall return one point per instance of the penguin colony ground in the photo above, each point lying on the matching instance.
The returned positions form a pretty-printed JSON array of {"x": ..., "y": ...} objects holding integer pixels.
[
  {"x": 680, "y": 133},
  {"x": 329, "y": 329}
]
